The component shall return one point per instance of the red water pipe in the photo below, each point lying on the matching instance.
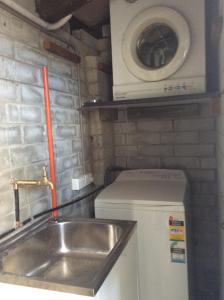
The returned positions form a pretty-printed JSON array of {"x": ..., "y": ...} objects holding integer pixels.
[{"x": 50, "y": 138}]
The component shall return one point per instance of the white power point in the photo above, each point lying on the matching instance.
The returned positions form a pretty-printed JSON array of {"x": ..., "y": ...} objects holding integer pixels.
[{"x": 81, "y": 182}]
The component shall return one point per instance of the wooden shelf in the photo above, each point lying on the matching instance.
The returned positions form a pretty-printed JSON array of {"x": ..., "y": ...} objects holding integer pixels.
[{"x": 153, "y": 102}]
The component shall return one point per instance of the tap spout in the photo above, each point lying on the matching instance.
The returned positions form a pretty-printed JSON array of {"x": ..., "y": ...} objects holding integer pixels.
[{"x": 44, "y": 181}]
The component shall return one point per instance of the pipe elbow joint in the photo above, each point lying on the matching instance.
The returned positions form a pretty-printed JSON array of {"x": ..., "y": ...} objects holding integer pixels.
[{"x": 59, "y": 24}]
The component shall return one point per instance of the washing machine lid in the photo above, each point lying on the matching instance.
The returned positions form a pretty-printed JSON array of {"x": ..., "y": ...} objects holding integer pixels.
[
  {"x": 146, "y": 188},
  {"x": 156, "y": 43},
  {"x": 161, "y": 175}
]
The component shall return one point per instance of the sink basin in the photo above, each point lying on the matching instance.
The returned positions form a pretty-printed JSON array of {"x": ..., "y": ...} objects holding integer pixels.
[
  {"x": 70, "y": 252},
  {"x": 76, "y": 253}
]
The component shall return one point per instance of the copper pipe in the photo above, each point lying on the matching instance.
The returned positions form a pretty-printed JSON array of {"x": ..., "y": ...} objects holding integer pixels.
[{"x": 50, "y": 138}]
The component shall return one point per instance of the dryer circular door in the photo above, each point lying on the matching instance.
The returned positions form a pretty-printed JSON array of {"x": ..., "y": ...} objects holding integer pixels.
[{"x": 156, "y": 43}]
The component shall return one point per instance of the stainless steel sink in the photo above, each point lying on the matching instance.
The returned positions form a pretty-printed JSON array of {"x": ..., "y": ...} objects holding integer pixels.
[{"x": 75, "y": 253}]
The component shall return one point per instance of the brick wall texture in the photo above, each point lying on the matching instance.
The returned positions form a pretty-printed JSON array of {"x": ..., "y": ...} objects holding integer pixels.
[
  {"x": 187, "y": 143},
  {"x": 23, "y": 141}
]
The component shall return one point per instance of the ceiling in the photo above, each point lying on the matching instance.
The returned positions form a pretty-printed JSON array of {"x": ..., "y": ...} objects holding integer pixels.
[
  {"x": 93, "y": 13},
  {"x": 87, "y": 14}
]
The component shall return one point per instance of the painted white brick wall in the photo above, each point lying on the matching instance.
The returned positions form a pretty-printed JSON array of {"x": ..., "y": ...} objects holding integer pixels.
[
  {"x": 99, "y": 83},
  {"x": 23, "y": 142},
  {"x": 102, "y": 146}
]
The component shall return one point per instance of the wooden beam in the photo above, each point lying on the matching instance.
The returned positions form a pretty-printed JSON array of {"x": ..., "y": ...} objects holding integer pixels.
[
  {"x": 60, "y": 51},
  {"x": 54, "y": 10}
]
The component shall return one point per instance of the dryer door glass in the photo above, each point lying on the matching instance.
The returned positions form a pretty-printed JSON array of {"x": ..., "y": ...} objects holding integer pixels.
[
  {"x": 156, "y": 43},
  {"x": 157, "y": 46}
]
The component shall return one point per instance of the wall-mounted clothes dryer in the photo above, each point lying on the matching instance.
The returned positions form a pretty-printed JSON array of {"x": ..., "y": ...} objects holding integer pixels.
[{"x": 158, "y": 48}]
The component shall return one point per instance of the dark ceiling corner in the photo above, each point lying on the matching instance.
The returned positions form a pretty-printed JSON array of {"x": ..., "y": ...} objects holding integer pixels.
[
  {"x": 89, "y": 15},
  {"x": 53, "y": 10},
  {"x": 96, "y": 31}
]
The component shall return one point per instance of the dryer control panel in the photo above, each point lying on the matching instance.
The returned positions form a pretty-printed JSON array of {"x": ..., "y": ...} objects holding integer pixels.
[{"x": 186, "y": 86}]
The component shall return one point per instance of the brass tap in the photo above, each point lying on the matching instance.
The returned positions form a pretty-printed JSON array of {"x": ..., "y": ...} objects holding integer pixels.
[{"x": 44, "y": 181}]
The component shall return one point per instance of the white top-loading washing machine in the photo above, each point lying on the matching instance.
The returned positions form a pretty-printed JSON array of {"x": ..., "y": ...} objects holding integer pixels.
[
  {"x": 158, "y": 48},
  {"x": 155, "y": 198}
]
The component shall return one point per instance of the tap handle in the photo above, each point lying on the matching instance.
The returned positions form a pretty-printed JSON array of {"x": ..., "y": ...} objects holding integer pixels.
[{"x": 45, "y": 171}]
